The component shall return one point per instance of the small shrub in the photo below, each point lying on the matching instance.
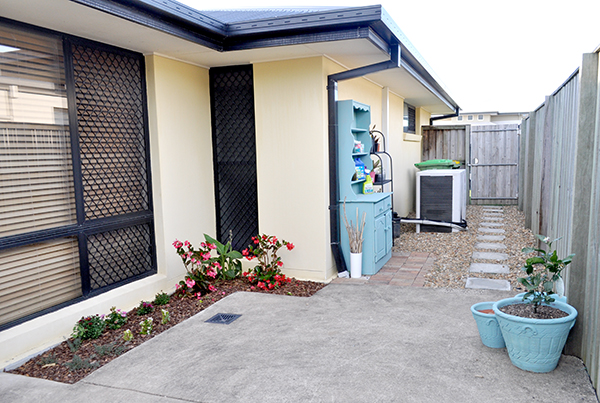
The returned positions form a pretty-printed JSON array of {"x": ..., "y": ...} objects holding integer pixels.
[
  {"x": 162, "y": 299},
  {"x": 166, "y": 317},
  {"x": 74, "y": 344},
  {"x": 127, "y": 335},
  {"x": 145, "y": 308},
  {"x": 90, "y": 327},
  {"x": 48, "y": 360},
  {"x": 109, "y": 349},
  {"x": 78, "y": 363},
  {"x": 116, "y": 319},
  {"x": 146, "y": 325},
  {"x": 266, "y": 274}
]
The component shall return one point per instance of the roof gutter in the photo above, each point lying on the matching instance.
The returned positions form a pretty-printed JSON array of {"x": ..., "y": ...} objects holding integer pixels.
[
  {"x": 452, "y": 115},
  {"x": 332, "y": 95}
]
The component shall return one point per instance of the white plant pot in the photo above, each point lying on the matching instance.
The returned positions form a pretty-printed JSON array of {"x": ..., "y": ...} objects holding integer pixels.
[{"x": 355, "y": 265}]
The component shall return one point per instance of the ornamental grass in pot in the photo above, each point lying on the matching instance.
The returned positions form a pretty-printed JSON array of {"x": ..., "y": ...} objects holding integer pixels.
[{"x": 535, "y": 326}]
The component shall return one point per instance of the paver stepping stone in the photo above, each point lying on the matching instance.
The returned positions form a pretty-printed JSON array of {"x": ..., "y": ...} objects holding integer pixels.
[
  {"x": 492, "y": 224},
  {"x": 488, "y": 284},
  {"x": 492, "y": 209},
  {"x": 493, "y": 218},
  {"x": 489, "y": 245},
  {"x": 489, "y": 268},
  {"x": 490, "y": 214},
  {"x": 492, "y": 238},
  {"x": 492, "y": 230},
  {"x": 490, "y": 255}
]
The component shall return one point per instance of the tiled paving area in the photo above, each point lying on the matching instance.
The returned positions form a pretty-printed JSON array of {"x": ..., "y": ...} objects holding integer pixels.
[{"x": 404, "y": 269}]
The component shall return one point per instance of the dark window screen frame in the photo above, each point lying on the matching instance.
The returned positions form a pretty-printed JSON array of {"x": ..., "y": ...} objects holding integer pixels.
[
  {"x": 108, "y": 122},
  {"x": 234, "y": 154}
]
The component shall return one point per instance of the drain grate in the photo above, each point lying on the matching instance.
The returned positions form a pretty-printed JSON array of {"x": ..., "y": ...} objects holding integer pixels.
[{"x": 223, "y": 318}]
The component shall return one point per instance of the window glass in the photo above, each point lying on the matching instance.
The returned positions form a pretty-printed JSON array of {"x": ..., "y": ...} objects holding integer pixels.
[
  {"x": 409, "y": 118},
  {"x": 36, "y": 185}
]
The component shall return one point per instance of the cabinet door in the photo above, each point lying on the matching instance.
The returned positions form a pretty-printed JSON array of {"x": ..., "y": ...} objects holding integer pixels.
[{"x": 380, "y": 243}]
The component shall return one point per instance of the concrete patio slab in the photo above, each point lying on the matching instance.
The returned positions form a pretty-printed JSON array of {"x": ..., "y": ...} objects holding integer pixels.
[
  {"x": 489, "y": 245},
  {"x": 490, "y": 255},
  {"x": 491, "y": 230},
  {"x": 491, "y": 224},
  {"x": 489, "y": 268},
  {"x": 488, "y": 284},
  {"x": 492, "y": 238},
  {"x": 347, "y": 343}
]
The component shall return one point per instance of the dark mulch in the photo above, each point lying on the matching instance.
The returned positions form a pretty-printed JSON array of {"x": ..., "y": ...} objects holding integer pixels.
[
  {"x": 54, "y": 364},
  {"x": 526, "y": 311}
]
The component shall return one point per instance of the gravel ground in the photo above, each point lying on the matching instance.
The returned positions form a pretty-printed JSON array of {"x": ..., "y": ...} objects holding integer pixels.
[{"x": 453, "y": 251}]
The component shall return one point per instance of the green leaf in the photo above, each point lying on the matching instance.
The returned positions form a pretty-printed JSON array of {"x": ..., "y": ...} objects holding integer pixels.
[
  {"x": 548, "y": 286},
  {"x": 234, "y": 254},
  {"x": 568, "y": 259},
  {"x": 528, "y": 250},
  {"x": 535, "y": 260}
]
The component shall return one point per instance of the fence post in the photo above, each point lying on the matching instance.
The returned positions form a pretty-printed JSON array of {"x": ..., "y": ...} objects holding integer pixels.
[{"x": 586, "y": 127}]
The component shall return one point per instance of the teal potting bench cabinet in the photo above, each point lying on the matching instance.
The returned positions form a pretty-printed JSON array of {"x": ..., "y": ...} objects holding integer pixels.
[{"x": 354, "y": 120}]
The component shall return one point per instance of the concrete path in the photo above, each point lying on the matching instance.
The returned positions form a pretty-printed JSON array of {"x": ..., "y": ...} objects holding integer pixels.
[
  {"x": 491, "y": 232},
  {"x": 348, "y": 343}
]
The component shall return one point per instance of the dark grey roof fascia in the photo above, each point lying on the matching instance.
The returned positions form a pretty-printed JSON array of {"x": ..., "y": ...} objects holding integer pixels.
[
  {"x": 201, "y": 33},
  {"x": 305, "y": 21},
  {"x": 329, "y": 24},
  {"x": 355, "y": 33}
]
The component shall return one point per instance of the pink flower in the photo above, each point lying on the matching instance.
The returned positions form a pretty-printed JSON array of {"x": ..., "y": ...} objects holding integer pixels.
[
  {"x": 190, "y": 283},
  {"x": 198, "y": 295},
  {"x": 211, "y": 273},
  {"x": 280, "y": 263},
  {"x": 253, "y": 288},
  {"x": 273, "y": 240},
  {"x": 177, "y": 244},
  {"x": 217, "y": 265},
  {"x": 187, "y": 244},
  {"x": 223, "y": 293},
  {"x": 290, "y": 246},
  {"x": 212, "y": 288},
  {"x": 211, "y": 246},
  {"x": 245, "y": 252},
  {"x": 206, "y": 256}
]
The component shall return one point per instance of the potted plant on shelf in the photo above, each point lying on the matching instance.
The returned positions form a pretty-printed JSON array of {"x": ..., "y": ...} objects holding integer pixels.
[
  {"x": 355, "y": 237},
  {"x": 535, "y": 326}
]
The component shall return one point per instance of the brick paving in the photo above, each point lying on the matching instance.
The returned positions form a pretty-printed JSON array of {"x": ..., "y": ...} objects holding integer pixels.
[{"x": 404, "y": 269}]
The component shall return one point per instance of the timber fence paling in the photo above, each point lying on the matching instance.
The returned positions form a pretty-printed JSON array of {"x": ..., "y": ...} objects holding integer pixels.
[{"x": 559, "y": 184}]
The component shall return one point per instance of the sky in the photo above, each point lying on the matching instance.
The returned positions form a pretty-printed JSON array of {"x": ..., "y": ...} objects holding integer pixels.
[{"x": 503, "y": 56}]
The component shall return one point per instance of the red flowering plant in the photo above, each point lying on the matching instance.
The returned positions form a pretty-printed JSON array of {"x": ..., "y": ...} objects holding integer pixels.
[
  {"x": 199, "y": 265},
  {"x": 203, "y": 268},
  {"x": 266, "y": 274}
]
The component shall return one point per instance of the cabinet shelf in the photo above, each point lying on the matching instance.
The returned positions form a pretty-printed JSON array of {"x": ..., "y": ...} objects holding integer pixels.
[{"x": 354, "y": 120}]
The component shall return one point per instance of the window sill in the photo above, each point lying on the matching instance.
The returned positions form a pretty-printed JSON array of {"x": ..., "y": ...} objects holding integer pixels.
[{"x": 412, "y": 137}]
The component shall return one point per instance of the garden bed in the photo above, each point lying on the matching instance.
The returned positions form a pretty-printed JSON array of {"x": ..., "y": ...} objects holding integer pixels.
[{"x": 69, "y": 362}]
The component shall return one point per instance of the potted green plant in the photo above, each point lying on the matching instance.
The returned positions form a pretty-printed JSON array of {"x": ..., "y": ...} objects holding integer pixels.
[{"x": 535, "y": 326}]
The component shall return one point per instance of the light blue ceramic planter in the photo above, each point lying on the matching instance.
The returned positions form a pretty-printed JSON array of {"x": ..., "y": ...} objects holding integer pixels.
[
  {"x": 489, "y": 331},
  {"x": 534, "y": 344}
]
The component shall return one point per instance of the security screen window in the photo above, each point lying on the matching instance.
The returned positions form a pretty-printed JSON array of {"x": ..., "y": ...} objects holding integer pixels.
[{"x": 61, "y": 137}]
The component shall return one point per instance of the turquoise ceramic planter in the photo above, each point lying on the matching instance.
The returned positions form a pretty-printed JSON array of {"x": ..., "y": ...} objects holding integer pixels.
[
  {"x": 534, "y": 344},
  {"x": 489, "y": 331}
]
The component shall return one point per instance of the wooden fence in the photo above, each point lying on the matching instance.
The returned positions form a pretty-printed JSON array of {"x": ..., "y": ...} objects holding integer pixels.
[
  {"x": 494, "y": 164},
  {"x": 489, "y": 153},
  {"x": 559, "y": 188}
]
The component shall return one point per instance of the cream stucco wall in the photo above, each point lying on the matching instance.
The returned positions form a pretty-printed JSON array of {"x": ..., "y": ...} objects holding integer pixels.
[
  {"x": 293, "y": 163},
  {"x": 180, "y": 146}
]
